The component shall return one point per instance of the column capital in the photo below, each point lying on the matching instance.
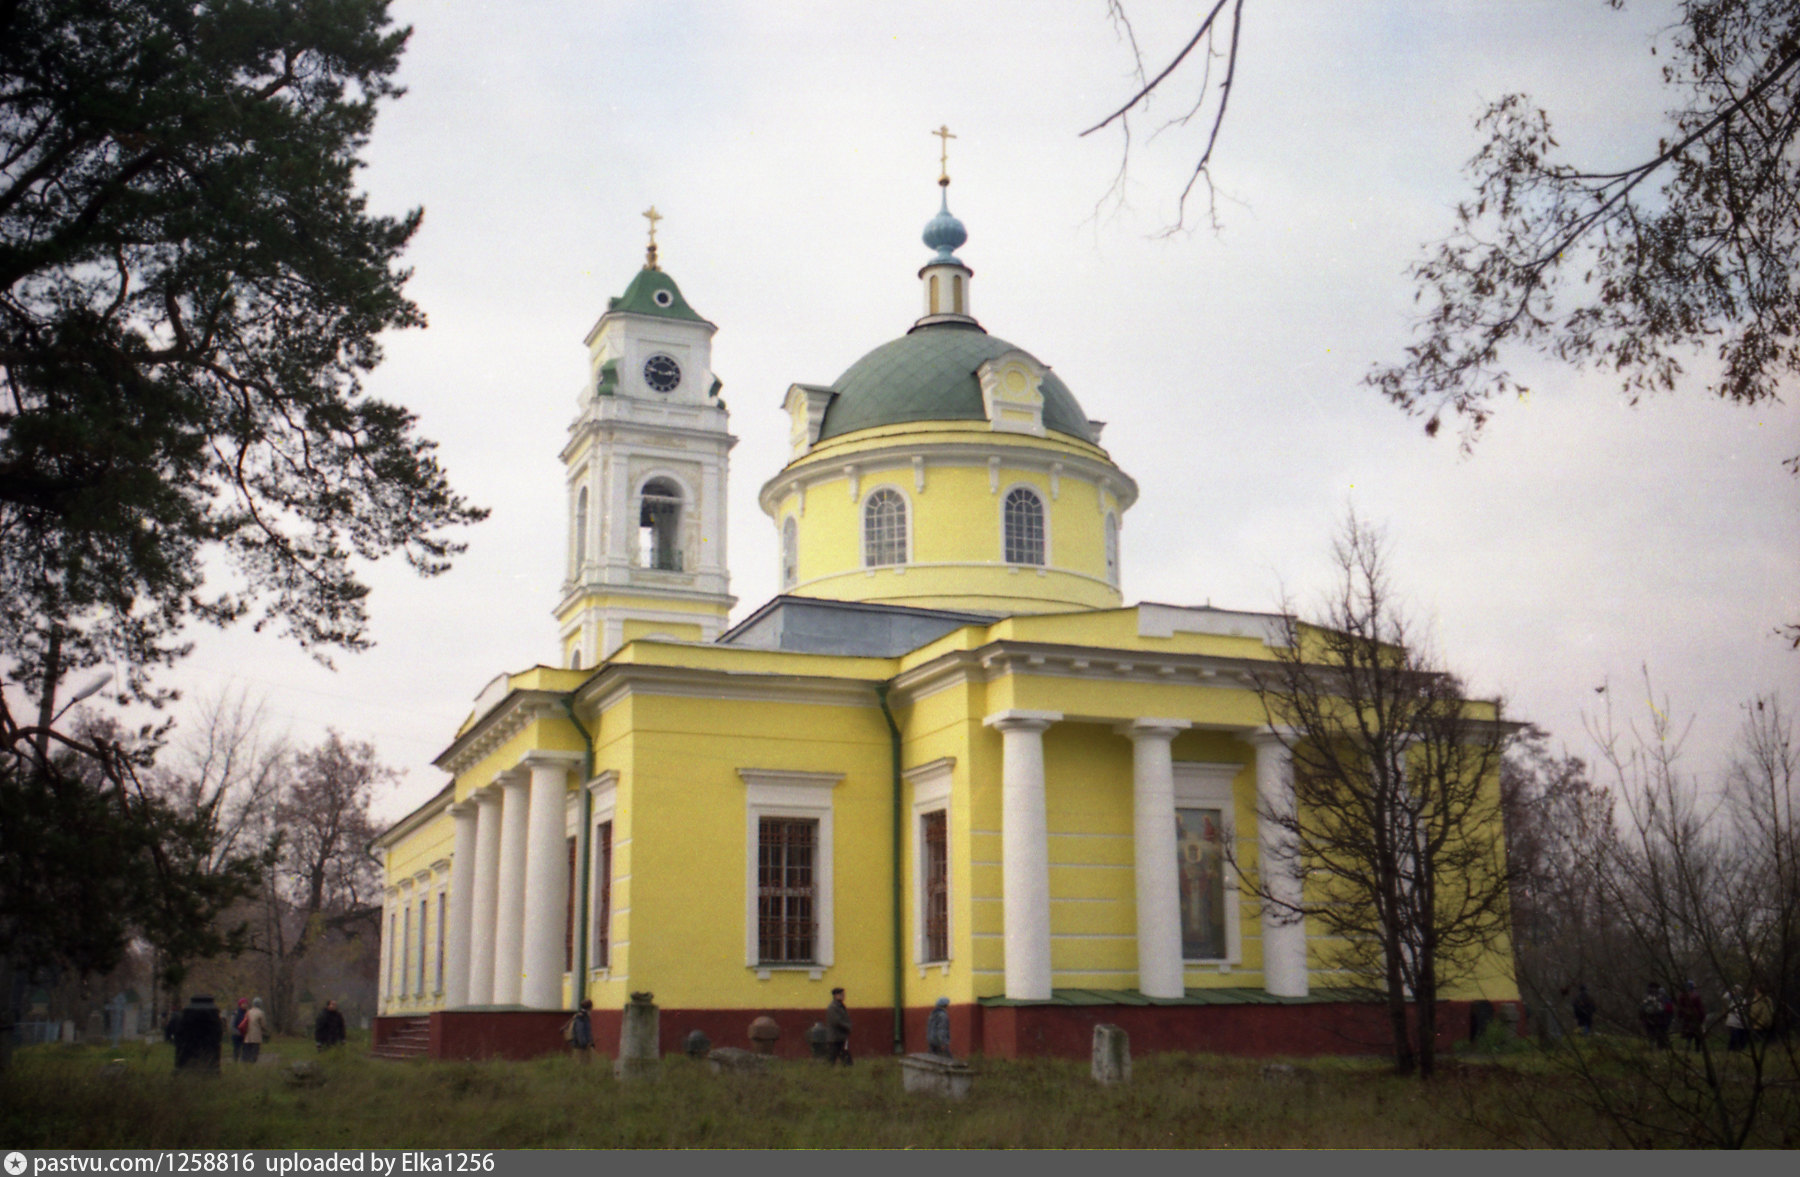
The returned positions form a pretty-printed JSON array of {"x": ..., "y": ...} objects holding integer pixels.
[
  {"x": 1021, "y": 721},
  {"x": 517, "y": 777},
  {"x": 464, "y": 808},
  {"x": 1166, "y": 729},
  {"x": 550, "y": 757},
  {"x": 1262, "y": 737}
]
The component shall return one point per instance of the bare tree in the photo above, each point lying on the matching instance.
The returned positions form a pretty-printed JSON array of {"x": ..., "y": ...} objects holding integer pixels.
[
  {"x": 1213, "y": 45},
  {"x": 1395, "y": 837},
  {"x": 1699, "y": 886},
  {"x": 324, "y": 879}
]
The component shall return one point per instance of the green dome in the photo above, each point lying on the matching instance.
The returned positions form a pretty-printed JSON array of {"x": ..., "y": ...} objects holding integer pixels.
[{"x": 929, "y": 375}]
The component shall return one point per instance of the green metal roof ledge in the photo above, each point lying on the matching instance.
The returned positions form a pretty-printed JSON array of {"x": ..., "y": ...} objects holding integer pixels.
[
  {"x": 640, "y": 298},
  {"x": 929, "y": 375},
  {"x": 1240, "y": 996}
]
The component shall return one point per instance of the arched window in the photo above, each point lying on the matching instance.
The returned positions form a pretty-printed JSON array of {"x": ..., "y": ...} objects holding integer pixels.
[
  {"x": 884, "y": 528},
  {"x": 790, "y": 552},
  {"x": 659, "y": 526},
  {"x": 581, "y": 528},
  {"x": 1112, "y": 549},
  {"x": 956, "y": 293},
  {"x": 575, "y": 658},
  {"x": 932, "y": 285},
  {"x": 1024, "y": 518}
]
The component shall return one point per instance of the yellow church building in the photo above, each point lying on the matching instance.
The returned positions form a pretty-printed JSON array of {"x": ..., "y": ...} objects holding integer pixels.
[{"x": 947, "y": 761}]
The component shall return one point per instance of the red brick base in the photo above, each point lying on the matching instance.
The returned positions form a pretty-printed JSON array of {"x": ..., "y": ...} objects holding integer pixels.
[{"x": 1016, "y": 1031}]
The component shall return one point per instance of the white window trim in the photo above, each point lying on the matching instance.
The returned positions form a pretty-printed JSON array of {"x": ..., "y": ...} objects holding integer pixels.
[
  {"x": 604, "y": 790},
  {"x": 1203, "y": 785},
  {"x": 1043, "y": 505},
  {"x": 862, "y": 526},
  {"x": 931, "y": 784},
  {"x": 774, "y": 792}
]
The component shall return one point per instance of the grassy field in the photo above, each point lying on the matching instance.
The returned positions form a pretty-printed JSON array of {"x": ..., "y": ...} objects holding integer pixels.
[{"x": 58, "y": 1097}]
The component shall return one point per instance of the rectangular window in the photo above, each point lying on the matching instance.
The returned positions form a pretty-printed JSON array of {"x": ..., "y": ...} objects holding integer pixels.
[
  {"x": 569, "y": 914},
  {"x": 424, "y": 912},
  {"x": 442, "y": 921},
  {"x": 935, "y": 868},
  {"x": 603, "y": 868},
  {"x": 786, "y": 889},
  {"x": 393, "y": 954},
  {"x": 405, "y": 951},
  {"x": 1200, "y": 851}
]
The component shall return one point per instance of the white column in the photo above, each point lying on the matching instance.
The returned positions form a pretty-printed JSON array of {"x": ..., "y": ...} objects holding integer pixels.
[
  {"x": 509, "y": 915},
  {"x": 462, "y": 906},
  {"x": 546, "y": 879},
  {"x": 1024, "y": 852},
  {"x": 1154, "y": 853},
  {"x": 1283, "y": 943},
  {"x": 485, "y": 895}
]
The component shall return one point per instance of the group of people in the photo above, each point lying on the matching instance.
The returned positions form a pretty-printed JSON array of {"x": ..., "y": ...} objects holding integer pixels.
[
  {"x": 198, "y": 1031},
  {"x": 1685, "y": 1013}
]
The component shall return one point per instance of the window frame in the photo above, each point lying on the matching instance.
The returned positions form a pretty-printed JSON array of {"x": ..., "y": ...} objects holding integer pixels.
[
  {"x": 931, "y": 785},
  {"x": 1006, "y": 496},
  {"x": 1208, "y": 785},
  {"x": 790, "y": 552},
  {"x": 683, "y": 499},
  {"x": 906, "y": 518},
  {"x": 785, "y": 793},
  {"x": 602, "y": 811},
  {"x": 1111, "y": 542}
]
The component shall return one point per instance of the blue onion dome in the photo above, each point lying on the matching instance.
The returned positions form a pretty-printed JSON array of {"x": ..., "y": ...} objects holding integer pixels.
[{"x": 945, "y": 233}]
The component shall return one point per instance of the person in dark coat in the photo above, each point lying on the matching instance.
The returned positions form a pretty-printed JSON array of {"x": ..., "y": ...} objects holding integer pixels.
[
  {"x": 328, "y": 1028},
  {"x": 581, "y": 1031},
  {"x": 937, "y": 1028},
  {"x": 1690, "y": 1014},
  {"x": 198, "y": 1036},
  {"x": 237, "y": 1029},
  {"x": 837, "y": 1030},
  {"x": 1584, "y": 1011}
]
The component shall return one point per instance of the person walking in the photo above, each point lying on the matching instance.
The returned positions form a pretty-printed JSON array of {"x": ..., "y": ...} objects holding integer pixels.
[
  {"x": 581, "y": 1031},
  {"x": 328, "y": 1028},
  {"x": 1737, "y": 1020},
  {"x": 837, "y": 1031},
  {"x": 237, "y": 1029},
  {"x": 937, "y": 1028},
  {"x": 256, "y": 1027}
]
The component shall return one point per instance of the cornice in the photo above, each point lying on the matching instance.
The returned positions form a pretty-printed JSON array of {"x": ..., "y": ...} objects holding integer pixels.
[
  {"x": 1043, "y": 659},
  {"x": 616, "y": 683},
  {"x": 513, "y": 715},
  {"x": 442, "y": 801},
  {"x": 976, "y": 450}
]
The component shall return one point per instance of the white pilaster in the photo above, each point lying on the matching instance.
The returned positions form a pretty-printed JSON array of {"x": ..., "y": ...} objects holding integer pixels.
[
  {"x": 546, "y": 879},
  {"x": 1283, "y": 943},
  {"x": 486, "y": 894},
  {"x": 462, "y": 906},
  {"x": 1024, "y": 852},
  {"x": 509, "y": 919},
  {"x": 1155, "y": 855}
]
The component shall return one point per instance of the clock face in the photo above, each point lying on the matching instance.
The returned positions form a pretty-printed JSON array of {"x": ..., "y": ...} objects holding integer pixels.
[{"x": 662, "y": 373}]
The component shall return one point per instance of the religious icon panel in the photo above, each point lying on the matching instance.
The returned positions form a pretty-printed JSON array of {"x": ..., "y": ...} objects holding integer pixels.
[{"x": 1200, "y": 850}]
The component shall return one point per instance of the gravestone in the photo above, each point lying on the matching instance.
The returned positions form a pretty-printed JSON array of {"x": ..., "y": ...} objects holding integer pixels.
[
  {"x": 764, "y": 1032},
  {"x": 1112, "y": 1055},
  {"x": 933, "y": 1074},
  {"x": 305, "y": 1073},
  {"x": 639, "y": 1055},
  {"x": 697, "y": 1044},
  {"x": 738, "y": 1060}
]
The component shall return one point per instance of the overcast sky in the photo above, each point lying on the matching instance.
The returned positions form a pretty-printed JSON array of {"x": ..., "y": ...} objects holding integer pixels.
[{"x": 788, "y": 147}]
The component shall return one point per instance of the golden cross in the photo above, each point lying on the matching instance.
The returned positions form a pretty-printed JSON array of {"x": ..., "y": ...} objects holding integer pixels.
[
  {"x": 944, "y": 137},
  {"x": 651, "y": 215}
]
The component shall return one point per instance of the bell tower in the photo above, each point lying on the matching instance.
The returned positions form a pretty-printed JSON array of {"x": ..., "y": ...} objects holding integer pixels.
[{"x": 647, "y": 460}]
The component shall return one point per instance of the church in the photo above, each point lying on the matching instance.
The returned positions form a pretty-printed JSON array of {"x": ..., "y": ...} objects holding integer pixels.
[{"x": 947, "y": 761}]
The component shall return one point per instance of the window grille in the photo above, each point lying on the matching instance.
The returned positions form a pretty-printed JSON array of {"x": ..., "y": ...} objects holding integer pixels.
[
  {"x": 1024, "y": 527},
  {"x": 603, "y": 862},
  {"x": 786, "y": 889},
  {"x": 884, "y": 529},
  {"x": 934, "y": 833}
]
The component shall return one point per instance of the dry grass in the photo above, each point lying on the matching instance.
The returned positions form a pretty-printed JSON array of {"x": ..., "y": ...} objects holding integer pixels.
[{"x": 57, "y": 1097}]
